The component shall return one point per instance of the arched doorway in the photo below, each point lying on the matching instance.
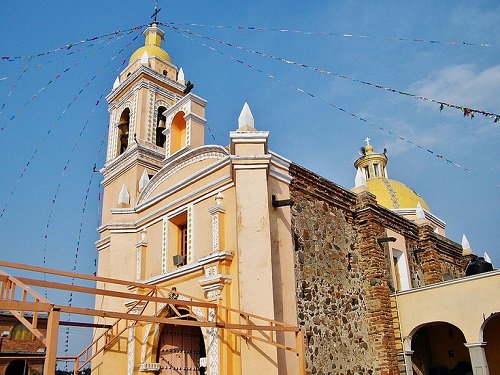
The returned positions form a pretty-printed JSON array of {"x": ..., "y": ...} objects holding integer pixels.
[
  {"x": 17, "y": 367},
  {"x": 180, "y": 349},
  {"x": 438, "y": 349},
  {"x": 491, "y": 335}
]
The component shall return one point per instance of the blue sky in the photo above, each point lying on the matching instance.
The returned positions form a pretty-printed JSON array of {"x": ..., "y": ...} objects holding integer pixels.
[{"x": 304, "y": 129}]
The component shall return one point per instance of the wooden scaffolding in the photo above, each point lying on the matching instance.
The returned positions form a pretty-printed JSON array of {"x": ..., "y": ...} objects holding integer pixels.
[{"x": 18, "y": 297}]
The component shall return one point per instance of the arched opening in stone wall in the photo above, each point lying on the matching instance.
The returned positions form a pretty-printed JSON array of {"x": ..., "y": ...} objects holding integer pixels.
[
  {"x": 491, "y": 336},
  {"x": 438, "y": 348}
]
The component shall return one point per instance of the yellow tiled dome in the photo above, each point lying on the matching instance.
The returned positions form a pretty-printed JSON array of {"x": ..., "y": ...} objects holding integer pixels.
[{"x": 394, "y": 194}]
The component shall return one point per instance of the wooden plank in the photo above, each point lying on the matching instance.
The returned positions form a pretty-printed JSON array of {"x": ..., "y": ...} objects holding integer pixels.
[
  {"x": 73, "y": 274},
  {"x": 113, "y": 293},
  {"x": 25, "y": 306}
]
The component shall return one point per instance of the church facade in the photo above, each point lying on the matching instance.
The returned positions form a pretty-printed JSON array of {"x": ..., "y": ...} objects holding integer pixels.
[{"x": 252, "y": 231}]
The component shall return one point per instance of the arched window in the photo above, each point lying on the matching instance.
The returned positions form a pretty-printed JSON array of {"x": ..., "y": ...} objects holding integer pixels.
[
  {"x": 178, "y": 133},
  {"x": 160, "y": 127},
  {"x": 123, "y": 129},
  {"x": 21, "y": 333}
]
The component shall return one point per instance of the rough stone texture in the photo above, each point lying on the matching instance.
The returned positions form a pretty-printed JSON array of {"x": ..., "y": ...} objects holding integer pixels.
[
  {"x": 343, "y": 275},
  {"x": 330, "y": 299}
]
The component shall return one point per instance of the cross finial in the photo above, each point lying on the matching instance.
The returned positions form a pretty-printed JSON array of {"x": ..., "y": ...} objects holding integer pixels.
[
  {"x": 367, "y": 140},
  {"x": 155, "y": 14}
]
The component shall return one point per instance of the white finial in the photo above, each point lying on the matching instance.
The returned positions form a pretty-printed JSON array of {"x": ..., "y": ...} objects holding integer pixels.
[
  {"x": 360, "y": 179},
  {"x": 180, "y": 76},
  {"x": 246, "y": 121},
  {"x": 117, "y": 83},
  {"x": 465, "y": 243},
  {"x": 218, "y": 199},
  {"x": 124, "y": 196},
  {"x": 419, "y": 212},
  {"x": 144, "y": 180},
  {"x": 487, "y": 258},
  {"x": 145, "y": 58},
  {"x": 367, "y": 140}
]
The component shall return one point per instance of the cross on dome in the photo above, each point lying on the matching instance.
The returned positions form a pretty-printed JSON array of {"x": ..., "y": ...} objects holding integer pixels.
[{"x": 367, "y": 140}]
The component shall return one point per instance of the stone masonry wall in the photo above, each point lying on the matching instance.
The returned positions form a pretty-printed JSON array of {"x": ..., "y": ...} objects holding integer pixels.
[
  {"x": 330, "y": 299},
  {"x": 343, "y": 275}
]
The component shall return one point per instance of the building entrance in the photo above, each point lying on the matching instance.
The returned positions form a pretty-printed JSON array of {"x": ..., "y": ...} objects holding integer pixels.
[{"x": 180, "y": 349}]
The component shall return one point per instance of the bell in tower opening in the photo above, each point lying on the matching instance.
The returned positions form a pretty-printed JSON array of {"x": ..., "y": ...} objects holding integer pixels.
[{"x": 123, "y": 130}]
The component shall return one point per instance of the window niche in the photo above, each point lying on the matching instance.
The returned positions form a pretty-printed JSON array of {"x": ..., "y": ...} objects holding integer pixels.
[{"x": 178, "y": 239}]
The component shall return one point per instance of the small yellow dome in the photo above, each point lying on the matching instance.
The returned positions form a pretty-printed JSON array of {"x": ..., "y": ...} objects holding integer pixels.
[
  {"x": 153, "y": 51},
  {"x": 394, "y": 194},
  {"x": 152, "y": 45}
]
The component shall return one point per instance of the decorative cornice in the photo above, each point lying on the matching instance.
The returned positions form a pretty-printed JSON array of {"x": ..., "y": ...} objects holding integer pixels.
[
  {"x": 136, "y": 152},
  {"x": 148, "y": 72},
  {"x": 191, "y": 268},
  {"x": 178, "y": 162},
  {"x": 413, "y": 211}
]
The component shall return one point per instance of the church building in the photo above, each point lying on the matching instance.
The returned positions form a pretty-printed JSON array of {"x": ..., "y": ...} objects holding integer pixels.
[{"x": 361, "y": 281}]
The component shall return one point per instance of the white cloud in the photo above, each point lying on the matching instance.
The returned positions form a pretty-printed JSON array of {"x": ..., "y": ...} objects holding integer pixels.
[{"x": 463, "y": 85}]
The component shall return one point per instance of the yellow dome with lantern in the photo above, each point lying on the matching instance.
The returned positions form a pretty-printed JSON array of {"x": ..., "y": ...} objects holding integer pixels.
[
  {"x": 392, "y": 194},
  {"x": 152, "y": 45}
]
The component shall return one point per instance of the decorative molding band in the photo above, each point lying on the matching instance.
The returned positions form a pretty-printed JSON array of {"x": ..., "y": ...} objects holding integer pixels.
[
  {"x": 495, "y": 273},
  {"x": 191, "y": 268},
  {"x": 413, "y": 211},
  {"x": 148, "y": 72}
]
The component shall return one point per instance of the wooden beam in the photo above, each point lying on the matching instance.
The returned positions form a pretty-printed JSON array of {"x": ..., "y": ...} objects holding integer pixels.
[
  {"x": 49, "y": 367},
  {"x": 121, "y": 315},
  {"x": 73, "y": 274},
  {"x": 25, "y": 306},
  {"x": 112, "y": 293},
  {"x": 85, "y": 325}
]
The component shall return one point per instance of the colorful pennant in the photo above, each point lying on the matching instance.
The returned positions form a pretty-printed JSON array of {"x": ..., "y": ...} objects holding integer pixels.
[
  {"x": 342, "y": 35},
  {"x": 439, "y": 156},
  {"x": 467, "y": 111},
  {"x": 67, "y": 46}
]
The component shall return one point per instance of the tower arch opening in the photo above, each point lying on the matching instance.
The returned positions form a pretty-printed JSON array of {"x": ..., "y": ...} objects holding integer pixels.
[
  {"x": 160, "y": 127},
  {"x": 178, "y": 133},
  {"x": 123, "y": 131}
]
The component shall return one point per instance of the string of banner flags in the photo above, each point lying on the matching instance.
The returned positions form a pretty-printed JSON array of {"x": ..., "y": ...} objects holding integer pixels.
[
  {"x": 342, "y": 35},
  {"x": 27, "y": 68},
  {"x": 431, "y": 152},
  {"x": 68, "y": 46},
  {"x": 467, "y": 111},
  {"x": 58, "y": 76},
  {"x": 56, "y": 122}
]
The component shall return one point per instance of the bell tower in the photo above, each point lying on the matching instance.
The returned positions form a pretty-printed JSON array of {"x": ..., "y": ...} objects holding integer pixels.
[{"x": 147, "y": 124}]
